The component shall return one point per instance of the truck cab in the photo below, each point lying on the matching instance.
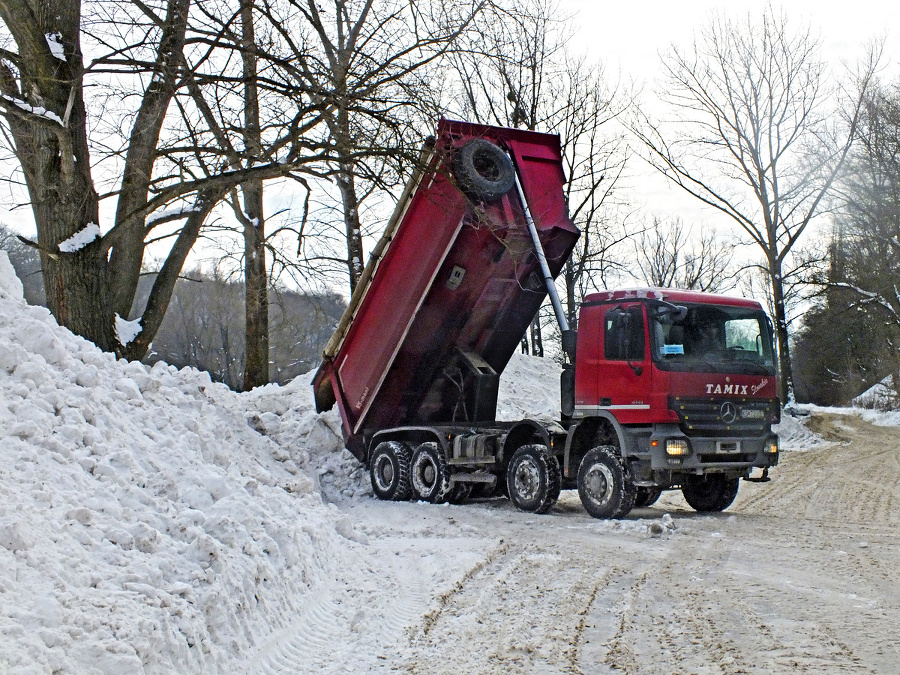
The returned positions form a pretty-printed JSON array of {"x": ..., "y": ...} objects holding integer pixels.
[{"x": 682, "y": 384}]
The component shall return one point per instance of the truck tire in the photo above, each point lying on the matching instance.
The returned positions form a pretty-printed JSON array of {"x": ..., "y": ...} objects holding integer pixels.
[
  {"x": 482, "y": 170},
  {"x": 533, "y": 479},
  {"x": 459, "y": 493},
  {"x": 646, "y": 496},
  {"x": 604, "y": 486},
  {"x": 389, "y": 471},
  {"x": 428, "y": 474},
  {"x": 710, "y": 493}
]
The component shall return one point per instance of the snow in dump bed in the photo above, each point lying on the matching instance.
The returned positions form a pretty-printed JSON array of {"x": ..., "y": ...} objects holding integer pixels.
[
  {"x": 529, "y": 388},
  {"x": 144, "y": 522}
]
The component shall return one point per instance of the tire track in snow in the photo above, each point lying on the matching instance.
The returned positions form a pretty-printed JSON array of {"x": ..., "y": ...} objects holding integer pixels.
[
  {"x": 361, "y": 630},
  {"x": 542, "y": 595}
]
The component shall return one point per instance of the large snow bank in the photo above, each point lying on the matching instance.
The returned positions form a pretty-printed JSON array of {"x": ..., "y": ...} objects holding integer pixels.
[
  {"x": 793, "y": 434},
  {"x": 146, "y": 521}
]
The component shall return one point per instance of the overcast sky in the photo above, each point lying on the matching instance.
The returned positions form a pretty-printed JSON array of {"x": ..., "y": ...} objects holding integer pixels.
[{"x": 628, "y": 37}]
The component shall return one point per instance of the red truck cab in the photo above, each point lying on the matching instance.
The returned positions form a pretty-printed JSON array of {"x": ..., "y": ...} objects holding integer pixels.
[{"x": 685, "y": 381}]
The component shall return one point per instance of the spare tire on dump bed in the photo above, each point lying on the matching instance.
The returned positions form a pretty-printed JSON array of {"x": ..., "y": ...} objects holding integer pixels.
[{"x": 482, "y": 170}]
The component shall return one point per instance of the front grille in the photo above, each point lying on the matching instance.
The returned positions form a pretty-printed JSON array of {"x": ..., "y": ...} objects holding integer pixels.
[{"x": 723, "y": 416}]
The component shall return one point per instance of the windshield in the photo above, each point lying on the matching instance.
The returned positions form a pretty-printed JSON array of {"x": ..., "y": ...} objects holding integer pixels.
[{"x": 712, "y": 338}]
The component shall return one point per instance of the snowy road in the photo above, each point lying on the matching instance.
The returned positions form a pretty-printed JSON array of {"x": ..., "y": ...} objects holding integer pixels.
[{"x": 800, "y": 575}]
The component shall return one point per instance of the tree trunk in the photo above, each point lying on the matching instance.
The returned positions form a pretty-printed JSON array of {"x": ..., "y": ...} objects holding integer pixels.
[
  {"x": 256, "y": 280},
  {"x": 127, "y": 255},
  {"x": 164, "y": 285},
  {"x": 537, "y": 340},
  {"x": 49, "y": 130},
  {"x": 347, "y": 185},
  {"x": 256, "y": 302},
  {"x": 786, "y": 382}
]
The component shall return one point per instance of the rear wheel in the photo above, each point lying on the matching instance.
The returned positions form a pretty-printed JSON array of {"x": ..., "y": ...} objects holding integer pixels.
[
  {"x": 604, "y": 486},
  {"x": 646, "y": 496},
  {"x": 428, "y": 474},
  {"x": 389, "y": 471},
  {"x": 533, "y": 479},
  {"x": 710, "y": 493}
]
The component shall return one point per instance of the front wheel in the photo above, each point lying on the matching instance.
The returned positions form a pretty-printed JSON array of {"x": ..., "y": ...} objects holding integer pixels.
[
  {"x": 604, "y": 486},
  {"x": 389, "y": 471},
  {"x": 710, "y": 493},
  {"x": 533, "y": 479}
]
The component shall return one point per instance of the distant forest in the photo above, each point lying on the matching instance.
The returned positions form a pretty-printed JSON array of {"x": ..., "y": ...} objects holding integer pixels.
[{"x": 204, "y": 326}]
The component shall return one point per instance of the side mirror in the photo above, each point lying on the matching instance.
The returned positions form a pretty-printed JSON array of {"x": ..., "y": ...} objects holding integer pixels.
[{"x": 669, "y": 312}]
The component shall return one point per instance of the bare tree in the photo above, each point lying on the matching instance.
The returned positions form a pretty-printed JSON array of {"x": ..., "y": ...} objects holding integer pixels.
[
  {"x": 142, "y": 64},
  {"x": 755, "y": 137},
  {"x": 669, "y": 256},
  {"x": 864, "y": 269},
  {"x": 514, "y": 70},
  {"x": 365, "y": 64}
]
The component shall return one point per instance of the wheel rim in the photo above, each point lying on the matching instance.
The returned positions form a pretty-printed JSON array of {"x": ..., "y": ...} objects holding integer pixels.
[
  {"x": 598, "y": 483},
  {"x": 384, "y": 473},
  {"x": 428, "y": 475},
  {"x": 485, "y": 164},
  {"x": 527, "y": 479},
  {"x": 424, "y": 476}
]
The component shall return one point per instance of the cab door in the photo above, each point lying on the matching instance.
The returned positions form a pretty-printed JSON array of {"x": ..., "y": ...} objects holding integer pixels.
[{"x": 624, "y": 370}]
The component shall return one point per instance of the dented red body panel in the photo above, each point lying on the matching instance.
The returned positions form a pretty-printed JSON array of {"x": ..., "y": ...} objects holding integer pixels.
[{"x": 456, "y": 275}]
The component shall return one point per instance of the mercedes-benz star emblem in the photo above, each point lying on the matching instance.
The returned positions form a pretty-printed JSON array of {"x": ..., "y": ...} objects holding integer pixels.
[{"x": 728, "y": 412}]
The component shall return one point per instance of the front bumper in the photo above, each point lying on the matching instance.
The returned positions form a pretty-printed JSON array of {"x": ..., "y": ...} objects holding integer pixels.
[{"x": 703, "y": 454}]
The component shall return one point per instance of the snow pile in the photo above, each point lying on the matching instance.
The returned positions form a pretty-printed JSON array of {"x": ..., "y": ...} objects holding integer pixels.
[
  {"x": 793, "y": 434},
  {"x": 287, "y": 415},
  {"x": 143, "y": 523},
  {"x": 882, "y": 396}
]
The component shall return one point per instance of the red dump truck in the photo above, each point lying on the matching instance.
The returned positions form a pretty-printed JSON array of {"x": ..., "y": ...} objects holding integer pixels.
[{"x": 662, "y": 389}]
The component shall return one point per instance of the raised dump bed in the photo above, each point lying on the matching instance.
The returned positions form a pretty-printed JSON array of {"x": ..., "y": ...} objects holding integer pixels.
[{"x": 452, "y": 286}]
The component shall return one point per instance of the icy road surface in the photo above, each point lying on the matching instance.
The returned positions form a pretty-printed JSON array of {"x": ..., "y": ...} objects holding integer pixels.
[{"x": 799, "y": 575}]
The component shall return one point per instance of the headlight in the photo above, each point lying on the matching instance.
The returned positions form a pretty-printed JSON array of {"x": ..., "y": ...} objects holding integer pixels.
[
  {"x": 677, "y": 447},
  {"x": 772, "y": 446}
]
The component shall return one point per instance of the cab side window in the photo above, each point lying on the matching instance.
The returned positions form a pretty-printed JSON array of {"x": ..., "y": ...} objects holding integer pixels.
[{"x": 623, "y": 334}]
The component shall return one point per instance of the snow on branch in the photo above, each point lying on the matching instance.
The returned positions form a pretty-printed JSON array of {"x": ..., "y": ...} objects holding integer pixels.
[
  {"x": 34, "y": 110},
  {"x": 126, "y": 330},
  {"x": 80, "y": 239},
  {"x": 56, "y": 47},
  {"x": 868, "y": 298},
  {"x": 170, "y": 214}
]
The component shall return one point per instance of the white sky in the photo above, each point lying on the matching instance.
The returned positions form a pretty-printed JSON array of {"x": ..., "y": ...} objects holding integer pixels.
[{"x": 628, "y": 37}]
